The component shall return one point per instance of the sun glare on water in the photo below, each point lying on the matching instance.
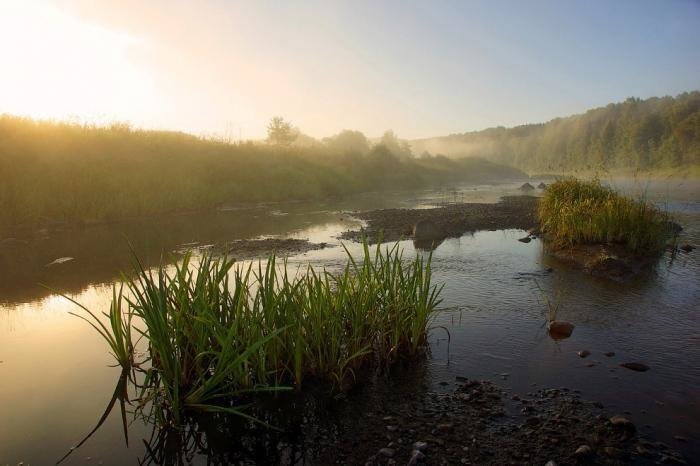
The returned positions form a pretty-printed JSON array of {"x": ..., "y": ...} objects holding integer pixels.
[{"x": 57, "y": 66}]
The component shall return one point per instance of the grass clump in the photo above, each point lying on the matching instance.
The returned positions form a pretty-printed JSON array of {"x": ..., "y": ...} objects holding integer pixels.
[
  {"x": 216, "y": 333},
  {"x": 576, "y": 212}
]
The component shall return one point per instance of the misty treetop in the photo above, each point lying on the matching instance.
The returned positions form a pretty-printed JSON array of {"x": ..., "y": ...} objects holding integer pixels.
[{"x": 646, "y": 134}]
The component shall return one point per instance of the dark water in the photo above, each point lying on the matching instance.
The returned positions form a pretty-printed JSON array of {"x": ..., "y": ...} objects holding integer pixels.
[{"x": 55, "y": 383}]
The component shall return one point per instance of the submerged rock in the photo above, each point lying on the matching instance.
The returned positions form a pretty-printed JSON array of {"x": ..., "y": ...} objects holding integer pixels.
[
  {"x": 635, "y": 366},
  {"x": 609, "y": 354},
  {"x": 686, "y": 248},
  {"x": 526, "y": 187},
  {"x": 559, "y": 329}
]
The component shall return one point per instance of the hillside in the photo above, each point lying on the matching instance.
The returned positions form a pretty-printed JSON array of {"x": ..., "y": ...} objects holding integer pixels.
[
  {"x": 656, "y": 133},
  {"x": 59, "y": 172}
]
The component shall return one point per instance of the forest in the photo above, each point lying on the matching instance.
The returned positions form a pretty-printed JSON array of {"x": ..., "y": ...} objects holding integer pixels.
[{"x": 654, "y": 133}]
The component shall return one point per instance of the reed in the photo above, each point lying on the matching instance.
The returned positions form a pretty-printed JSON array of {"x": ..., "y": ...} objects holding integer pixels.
[
  {"x": 585, "y": 212},
  {"x": 217, "y": 332}
]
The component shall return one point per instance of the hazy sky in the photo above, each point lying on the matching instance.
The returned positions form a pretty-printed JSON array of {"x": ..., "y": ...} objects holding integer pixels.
[{"x": 421, "y": 68}]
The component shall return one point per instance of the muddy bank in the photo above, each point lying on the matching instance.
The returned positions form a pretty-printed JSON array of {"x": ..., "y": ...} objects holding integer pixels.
[
  {"x": 257, "y": 248},
  {"x": 477, "y": 422},
  {"x": 451, "y": 221}
]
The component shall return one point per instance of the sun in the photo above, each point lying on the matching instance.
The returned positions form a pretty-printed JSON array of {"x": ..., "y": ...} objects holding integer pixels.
[{"x": 59, "y": 67}]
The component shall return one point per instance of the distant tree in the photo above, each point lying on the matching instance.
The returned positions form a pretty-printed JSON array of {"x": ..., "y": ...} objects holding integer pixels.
[
  {"x": 399, "y": 148},
  {"x": 281, "y": 132},
  {"x": 348, "y": 141}
]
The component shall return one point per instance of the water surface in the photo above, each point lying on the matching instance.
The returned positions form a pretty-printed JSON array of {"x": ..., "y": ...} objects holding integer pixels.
[{"x": 54, "y": 368}]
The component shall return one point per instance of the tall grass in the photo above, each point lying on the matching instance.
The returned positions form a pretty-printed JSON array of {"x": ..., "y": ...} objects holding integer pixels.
[
  {"x": 581, "y": 212},
  {"x": 58, "y": 172},
  {"x": 216, "y": 333}
]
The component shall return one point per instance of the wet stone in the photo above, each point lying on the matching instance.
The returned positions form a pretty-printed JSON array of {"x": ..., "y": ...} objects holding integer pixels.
[
  {"x": 635, "y": 366},
  {"x": 416, "y": 457},
  {"x": 420, "y": 446}
]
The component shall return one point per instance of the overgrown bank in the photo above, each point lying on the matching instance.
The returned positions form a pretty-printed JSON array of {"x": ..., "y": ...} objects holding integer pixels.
[
  {"x": 57, "y": 172},
  {"x": 600, "y": 230}
]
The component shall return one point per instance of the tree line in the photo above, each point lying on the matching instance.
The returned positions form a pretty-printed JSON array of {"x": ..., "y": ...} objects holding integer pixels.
[{"x": 647, "y": 134}]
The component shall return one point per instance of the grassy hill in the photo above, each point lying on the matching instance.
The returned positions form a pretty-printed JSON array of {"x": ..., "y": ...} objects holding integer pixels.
[{"x": 59, "y": 172}]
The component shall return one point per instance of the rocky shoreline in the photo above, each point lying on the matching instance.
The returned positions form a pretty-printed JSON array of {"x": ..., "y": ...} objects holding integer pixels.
[
  {"x": 478, "y": 422},
  {"x": 449, "y": 221}
]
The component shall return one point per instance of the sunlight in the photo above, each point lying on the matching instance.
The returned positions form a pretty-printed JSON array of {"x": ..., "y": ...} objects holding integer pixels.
[{"x": 62, "y": 68}]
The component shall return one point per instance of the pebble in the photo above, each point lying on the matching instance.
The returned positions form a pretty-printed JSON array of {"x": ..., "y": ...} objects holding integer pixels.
[
  {"x": 612, "y": 452},
  {"x": 420, "y": 446},
  {"x": 416, "y": 457},
  {"x": 444, "y": 427},
  {"x": 582, "y": 451},
  {"x": 387, "y": 452},
  {"x": 622, "y": 422}
]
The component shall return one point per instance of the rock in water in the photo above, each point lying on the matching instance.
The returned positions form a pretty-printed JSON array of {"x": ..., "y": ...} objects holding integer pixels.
[
  {"x": 527, "y": 187},
  {"x": 635, "y": 366},
  {"x": 583, "y": 354},
  {"x": 687, "y": 248},
  {"x": 525, "y": 239},
  {"x": 542, "y": 186},
  {"x": 427, "y": 230},
  {"x": 560, "y": 329}
]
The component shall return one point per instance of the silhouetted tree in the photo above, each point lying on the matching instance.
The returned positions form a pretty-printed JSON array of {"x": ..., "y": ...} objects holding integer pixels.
[{"x": 281, "y": 132}]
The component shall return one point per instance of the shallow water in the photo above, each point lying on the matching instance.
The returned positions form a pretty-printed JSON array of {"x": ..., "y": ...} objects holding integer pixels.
[{"x": 56, "y": 383}]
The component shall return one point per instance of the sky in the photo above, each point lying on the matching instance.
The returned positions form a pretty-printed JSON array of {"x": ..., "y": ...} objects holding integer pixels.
[{"x": 421, "y": 68}]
